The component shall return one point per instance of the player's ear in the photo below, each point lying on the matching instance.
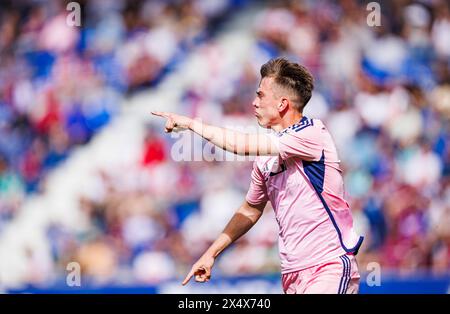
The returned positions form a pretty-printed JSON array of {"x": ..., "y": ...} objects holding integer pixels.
[{"x": 283, "y": 104}]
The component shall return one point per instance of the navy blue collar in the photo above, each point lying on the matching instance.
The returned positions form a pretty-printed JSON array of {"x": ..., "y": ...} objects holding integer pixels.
[{"x": 302, "y": 121}]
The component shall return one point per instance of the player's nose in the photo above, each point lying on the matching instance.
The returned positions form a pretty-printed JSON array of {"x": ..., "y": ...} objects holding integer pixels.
[{"x": 255, "y": 103}]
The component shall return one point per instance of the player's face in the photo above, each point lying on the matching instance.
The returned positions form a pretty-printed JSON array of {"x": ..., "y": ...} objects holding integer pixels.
[{"x": 265, "y": 103}]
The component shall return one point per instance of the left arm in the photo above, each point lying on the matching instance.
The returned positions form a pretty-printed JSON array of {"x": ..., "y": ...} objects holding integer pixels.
[{"x": 232, "y": 141}]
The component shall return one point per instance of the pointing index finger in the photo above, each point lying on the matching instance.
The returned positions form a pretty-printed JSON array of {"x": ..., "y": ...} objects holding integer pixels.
[
  {"x": 160, "y": 114},
  {"x": 188, "y": 277}
]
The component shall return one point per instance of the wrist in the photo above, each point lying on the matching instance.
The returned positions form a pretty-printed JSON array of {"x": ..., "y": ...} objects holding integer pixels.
[
  {"x": 190, "y": 125},
  {"x": 195, "y": 125},
  {"x": 209, "y": 254}
]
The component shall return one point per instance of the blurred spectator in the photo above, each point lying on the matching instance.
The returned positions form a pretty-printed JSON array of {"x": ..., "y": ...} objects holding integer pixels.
[{"x": 59, "y": 85}]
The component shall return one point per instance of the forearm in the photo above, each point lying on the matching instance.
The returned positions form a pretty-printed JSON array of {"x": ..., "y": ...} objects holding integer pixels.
[
  {"x": 233, "y": 141},
  {"x": 229, "y": 140},
  {"x": 220, "y": 244},
  {"x": 242, "y": 221}
]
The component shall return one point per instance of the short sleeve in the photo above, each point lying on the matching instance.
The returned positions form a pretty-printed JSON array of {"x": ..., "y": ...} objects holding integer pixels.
[
  {"x": 306, "y": 144},
  {"x": 257, "y": 192}
]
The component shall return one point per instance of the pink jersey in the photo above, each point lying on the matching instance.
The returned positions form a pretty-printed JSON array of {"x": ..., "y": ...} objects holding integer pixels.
[{"x": 305, "y": 186}]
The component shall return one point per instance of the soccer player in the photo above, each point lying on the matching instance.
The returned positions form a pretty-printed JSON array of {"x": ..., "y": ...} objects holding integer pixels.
[{"x": 297, "y": 170}]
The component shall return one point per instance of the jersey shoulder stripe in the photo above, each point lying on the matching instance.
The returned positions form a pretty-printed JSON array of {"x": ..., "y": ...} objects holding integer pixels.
[{"x": 301, "y": 126}]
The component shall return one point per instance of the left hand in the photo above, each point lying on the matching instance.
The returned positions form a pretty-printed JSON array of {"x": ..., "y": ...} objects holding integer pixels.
[
  {"x": 201, "y": 270},
  {"x": 173, "y": 120}
]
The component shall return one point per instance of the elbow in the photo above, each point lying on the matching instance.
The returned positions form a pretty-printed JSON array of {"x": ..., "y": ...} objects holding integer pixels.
[
  {"x": 242, "y": 150},
  {"x": 237, "y": 148},
  {"x": 253, "y": 213},
  {"x": 239, "y": 144}
]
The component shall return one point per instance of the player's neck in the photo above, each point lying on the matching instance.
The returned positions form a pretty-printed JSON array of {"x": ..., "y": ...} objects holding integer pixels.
[{"x": 287, "y": 121}]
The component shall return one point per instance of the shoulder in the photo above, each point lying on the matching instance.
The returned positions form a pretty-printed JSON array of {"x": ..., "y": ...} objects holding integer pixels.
[
  {"x": 306, "y": 127},
  {"x": 303, "y": 124},
  {"x": 261, "y": 161}
]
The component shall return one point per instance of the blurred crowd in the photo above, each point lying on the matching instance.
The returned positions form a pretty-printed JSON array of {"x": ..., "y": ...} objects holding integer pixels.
[
  {"x": 383, "y": 91},
  {"x": 60, "y": 82}
]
